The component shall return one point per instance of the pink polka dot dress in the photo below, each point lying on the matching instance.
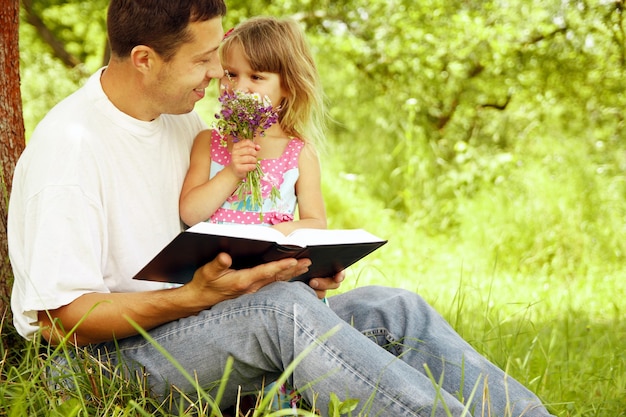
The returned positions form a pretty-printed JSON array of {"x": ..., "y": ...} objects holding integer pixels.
[{"x": 281, "y": 173}]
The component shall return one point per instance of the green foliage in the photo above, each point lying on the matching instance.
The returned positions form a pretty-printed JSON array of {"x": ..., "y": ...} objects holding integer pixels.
[
  {"x": 79, "y": 26},
  {"x": 84, "y": 386},
  {"x": 338, "y": 408},
  {"x": 556, "y": 214},
  {"x": 484, "y": 139}
]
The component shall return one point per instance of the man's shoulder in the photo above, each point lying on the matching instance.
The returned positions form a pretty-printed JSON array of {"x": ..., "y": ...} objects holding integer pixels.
[
  {"x": 188, "y": 123},
  {"x": 192, "y": 117},
  {"x": 74, "y": 106}
]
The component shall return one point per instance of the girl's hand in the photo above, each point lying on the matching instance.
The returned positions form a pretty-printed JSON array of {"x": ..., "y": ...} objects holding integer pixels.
[{"x": 244, "y": 157}]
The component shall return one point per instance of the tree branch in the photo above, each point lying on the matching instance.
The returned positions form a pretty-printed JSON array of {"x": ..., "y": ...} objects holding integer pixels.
[
  {"x": 497, "y": 106},
  {"x": 48, "y": 36},
  {"x": 545, "y": 36}
]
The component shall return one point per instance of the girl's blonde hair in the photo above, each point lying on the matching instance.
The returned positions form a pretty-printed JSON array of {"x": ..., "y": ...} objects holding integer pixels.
[{"x": 279, "y": 46}]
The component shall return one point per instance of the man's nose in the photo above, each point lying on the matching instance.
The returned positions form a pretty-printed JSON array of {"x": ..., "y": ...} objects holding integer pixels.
[{"x": 215, "y": 71}]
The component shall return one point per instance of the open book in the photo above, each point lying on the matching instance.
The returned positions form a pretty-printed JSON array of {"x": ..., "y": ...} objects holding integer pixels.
[{"x": 330, "y": 251}]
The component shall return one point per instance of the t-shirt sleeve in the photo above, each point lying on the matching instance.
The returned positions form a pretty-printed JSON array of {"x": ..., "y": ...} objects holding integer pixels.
[{"x": 64, "y": 255}]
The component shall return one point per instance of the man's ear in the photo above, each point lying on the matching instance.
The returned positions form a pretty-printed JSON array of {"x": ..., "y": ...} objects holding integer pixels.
[{"x": 143, "y": 58}]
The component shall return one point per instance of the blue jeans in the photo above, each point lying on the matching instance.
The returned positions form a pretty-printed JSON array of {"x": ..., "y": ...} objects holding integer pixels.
[{"x": 384, "y": 340}]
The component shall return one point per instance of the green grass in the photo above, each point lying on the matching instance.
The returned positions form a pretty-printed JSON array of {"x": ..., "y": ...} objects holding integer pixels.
[{"x": 563, "y": 338}]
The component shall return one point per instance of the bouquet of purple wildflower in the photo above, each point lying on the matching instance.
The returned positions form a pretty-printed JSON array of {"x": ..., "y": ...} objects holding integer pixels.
[{"x": 243, "y": 116}]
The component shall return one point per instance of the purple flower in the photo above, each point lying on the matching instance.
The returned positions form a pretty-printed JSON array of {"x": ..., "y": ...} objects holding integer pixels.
[{"x": 244, "y": 116}]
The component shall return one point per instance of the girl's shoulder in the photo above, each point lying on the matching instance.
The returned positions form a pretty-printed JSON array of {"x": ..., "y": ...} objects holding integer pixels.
[
  {"x": 211, "y": 142},
  {"x": 216, "y": 137},
  {"x": 294, "y": 149},
  {"x": 212, "y": 139},
  {"x": 295, "y": 142},
  {"x": 294, "y": 146},
  {"x": 208, "y": 135}
]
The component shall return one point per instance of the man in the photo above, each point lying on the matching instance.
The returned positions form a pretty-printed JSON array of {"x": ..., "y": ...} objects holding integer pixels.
[{"x": 95, "y": 196}]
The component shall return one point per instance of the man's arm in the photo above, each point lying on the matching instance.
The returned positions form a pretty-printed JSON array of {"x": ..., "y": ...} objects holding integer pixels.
[{"x": 101, "y": 317}]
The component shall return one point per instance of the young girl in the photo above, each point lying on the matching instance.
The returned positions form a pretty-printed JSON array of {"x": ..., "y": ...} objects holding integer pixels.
[{"x": 269, "y": 57}]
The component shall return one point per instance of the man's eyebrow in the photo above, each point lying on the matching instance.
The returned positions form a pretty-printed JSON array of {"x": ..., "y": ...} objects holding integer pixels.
[{"x": 207, "y": 53}]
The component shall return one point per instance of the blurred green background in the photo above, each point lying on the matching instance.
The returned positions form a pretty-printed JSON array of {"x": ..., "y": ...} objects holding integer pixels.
[
  {"x": 484, "y": 139},
  {"x": 498, "y": 124}
]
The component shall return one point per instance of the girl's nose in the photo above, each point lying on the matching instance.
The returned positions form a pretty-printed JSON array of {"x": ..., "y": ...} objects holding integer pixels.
[{"x": 241, "y": 85}]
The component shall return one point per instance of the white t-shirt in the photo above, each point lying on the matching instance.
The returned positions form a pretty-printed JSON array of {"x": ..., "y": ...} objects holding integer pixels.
[{"x": 95, "y": 197}]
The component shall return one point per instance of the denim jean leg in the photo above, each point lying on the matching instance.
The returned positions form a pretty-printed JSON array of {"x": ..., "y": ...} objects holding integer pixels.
[
  {"x": 254, "y": 330},
  {"x": 407, "y": 326},
  {"x": 265, "y": 331}
]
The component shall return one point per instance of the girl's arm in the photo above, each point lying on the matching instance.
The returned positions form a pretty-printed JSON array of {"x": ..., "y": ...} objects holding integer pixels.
[
  {"x": 311, "y": 209},
  {"x": 201, "y": 197}
]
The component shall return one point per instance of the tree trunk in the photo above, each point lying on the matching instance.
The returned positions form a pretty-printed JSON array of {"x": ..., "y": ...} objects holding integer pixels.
[{"x": 12, "y": 140}]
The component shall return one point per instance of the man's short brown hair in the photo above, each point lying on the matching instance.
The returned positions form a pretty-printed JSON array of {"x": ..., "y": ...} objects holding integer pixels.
[{"x": 159, "y": 24}]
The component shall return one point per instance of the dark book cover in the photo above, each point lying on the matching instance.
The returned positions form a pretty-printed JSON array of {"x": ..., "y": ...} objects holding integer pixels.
[{"x": 331, "y": 252}]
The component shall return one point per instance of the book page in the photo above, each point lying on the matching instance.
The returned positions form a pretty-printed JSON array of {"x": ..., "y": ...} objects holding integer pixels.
[
  {"x": 300, "y": 237},
  {"x": 319, "y": 237},
  {"x": 246, "y": 231}
]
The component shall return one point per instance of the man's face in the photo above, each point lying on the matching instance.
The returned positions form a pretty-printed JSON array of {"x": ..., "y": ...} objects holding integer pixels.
[{"x": 180, "y": 82}]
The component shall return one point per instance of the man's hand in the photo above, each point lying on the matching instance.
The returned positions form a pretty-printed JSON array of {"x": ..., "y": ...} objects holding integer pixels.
[
  {"x": 321, "y": 285},
  {"x": 216, "y": 281}
]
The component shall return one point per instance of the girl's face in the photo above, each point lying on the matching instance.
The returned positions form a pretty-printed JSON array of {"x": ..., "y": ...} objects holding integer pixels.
[{"x": 243, "y": 78}]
